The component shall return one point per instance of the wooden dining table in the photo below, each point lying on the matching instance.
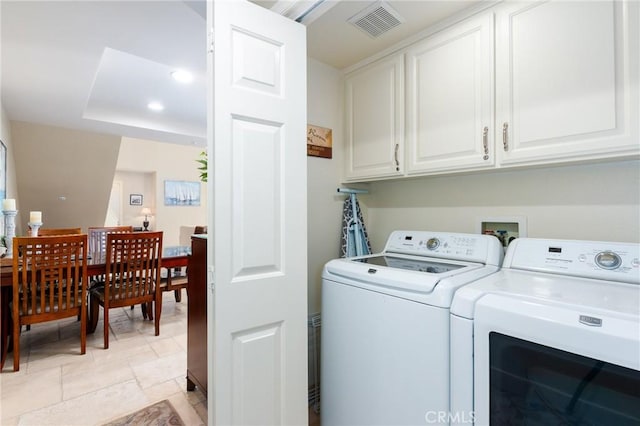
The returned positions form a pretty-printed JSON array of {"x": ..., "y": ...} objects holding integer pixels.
[{"x": 172, "y": 257}]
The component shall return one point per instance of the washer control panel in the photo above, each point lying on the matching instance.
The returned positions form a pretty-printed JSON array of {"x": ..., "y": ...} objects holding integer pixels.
[
  {"x": 591, "y": 259},
  {"x": 466, "y": 247}
]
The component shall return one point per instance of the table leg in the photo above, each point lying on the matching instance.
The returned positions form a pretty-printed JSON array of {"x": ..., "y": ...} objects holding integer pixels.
[
  {"x": 5, "y": 320},
  {"x": 190, "y": 385}
]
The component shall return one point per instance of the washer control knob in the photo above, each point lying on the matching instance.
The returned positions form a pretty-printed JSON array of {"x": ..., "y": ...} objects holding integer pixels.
[
  {"x": 608, "y": 260},
  {"x": 433, "y": 243}
]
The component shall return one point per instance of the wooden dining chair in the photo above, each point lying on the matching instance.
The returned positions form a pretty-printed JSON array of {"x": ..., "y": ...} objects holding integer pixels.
[
  {"x": 98, "y": 236},
  {"x": 175, "y": 281},
  {"x": 98, "y": 244},
  {"x": 133, "y": 262},
  {"x": 58, "y": 231},
  {"x": 49, "y": 283}
]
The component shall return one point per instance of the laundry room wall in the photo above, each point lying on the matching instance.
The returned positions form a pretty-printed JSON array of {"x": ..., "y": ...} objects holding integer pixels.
[
  {"x": 324, "y": 204},
  {"x": 585, "y": 202}
]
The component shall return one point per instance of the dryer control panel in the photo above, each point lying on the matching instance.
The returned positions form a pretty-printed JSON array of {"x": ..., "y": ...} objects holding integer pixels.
[
  {"x": 590, "y": 259},
  {"x": 479, "y": 248}
]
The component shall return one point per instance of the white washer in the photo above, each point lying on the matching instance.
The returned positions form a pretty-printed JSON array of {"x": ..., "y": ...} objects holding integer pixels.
[
  {"x": 385, "y": 326},
  {"x": 552, "y": 338}
]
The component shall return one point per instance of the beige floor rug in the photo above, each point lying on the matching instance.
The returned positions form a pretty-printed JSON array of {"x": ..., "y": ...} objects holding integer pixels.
[{"x": 159, "y": 414}]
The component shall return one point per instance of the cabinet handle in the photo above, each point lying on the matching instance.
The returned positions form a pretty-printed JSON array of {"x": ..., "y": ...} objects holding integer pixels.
[
  {"x": 485, "y": 142},
  {"x": 395, "y": 155},
  {"x": 505, "y": 136}
]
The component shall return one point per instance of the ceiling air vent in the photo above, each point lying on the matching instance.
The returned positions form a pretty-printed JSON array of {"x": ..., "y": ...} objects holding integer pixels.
[{"x": 376, "y": 19}]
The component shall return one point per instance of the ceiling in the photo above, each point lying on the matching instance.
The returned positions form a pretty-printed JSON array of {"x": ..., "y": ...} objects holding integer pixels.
[{"x": 95, "y": 65}]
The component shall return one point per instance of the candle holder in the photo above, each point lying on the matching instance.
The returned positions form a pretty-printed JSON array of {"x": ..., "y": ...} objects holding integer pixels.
[
  {"x": 9, "y": 229},
  {"x": 35, "y": 226}
]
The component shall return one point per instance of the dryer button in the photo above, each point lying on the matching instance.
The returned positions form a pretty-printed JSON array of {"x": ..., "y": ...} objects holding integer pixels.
[{"x": 608, "y": 260}]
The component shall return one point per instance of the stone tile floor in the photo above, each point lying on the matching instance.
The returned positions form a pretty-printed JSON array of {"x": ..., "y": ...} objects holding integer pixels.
[{"x": 58, "y": 386}]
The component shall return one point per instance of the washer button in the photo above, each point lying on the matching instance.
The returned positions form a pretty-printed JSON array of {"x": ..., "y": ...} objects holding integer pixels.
[{"x": 433, "y": 243}]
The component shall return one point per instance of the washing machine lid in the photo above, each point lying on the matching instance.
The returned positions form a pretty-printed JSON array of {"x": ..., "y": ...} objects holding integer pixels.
[{"x": 407, "y": 273}]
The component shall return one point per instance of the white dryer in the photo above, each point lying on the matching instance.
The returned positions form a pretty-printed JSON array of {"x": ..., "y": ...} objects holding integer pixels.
[
  {"x": 385, "y": 327},
  {"x": 553, "y": 338}
]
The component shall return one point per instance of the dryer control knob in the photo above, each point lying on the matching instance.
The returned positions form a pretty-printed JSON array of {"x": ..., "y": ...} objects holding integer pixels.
[
  {"x": 433, "y": 243},
  {"x": 608, "y": 260}
]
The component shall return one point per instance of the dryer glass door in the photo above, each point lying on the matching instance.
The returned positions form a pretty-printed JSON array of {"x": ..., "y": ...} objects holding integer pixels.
[
  {"x": 540, "y": 362},
  {"x": 535, "y": 384}
]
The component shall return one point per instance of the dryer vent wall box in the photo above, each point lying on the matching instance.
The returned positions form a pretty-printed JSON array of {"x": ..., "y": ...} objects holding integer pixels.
[{"x": 506, "y": 229}]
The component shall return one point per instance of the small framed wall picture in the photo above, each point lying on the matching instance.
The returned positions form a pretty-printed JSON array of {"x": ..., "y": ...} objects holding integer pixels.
[
  {"x": 319, "y": 141},
  {"x": 135, "y": 199}
]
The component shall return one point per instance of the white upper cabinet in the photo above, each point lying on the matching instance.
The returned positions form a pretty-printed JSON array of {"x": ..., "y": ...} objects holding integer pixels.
[
  {"x": 449, "y": 109},
  {"x": 566, "y": 81},
  {"x": 561, "y": 86},
  {"x": 374, "y": 126}
]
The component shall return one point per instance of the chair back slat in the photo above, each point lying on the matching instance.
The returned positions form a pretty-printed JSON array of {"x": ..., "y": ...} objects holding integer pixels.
[{"x": 44, "y": 232}]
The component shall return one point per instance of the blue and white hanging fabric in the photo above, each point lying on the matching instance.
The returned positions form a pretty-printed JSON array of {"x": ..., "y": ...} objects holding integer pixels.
[{"x": 354, "y": 241}]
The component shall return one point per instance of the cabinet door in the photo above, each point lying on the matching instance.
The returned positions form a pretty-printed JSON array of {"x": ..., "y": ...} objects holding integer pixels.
[
  {"x": 375, "y": 120},
  {"x": 566, "y": 81},
  {"x": 450, "y": 99}
]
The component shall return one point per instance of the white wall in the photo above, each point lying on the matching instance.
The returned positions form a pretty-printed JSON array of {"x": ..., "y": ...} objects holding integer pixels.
[
  {"x": 168, "y": 162},
  {"x": 65, "y": 173},
  {"x": 142, "y": 183},
  {"x": 586, "y": 202},
  {"x": 12, "y": 184},
  {"x": 324, "y": 204}
]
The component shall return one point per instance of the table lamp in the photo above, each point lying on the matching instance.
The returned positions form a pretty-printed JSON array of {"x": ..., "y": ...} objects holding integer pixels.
[{"x": 146, "y": 211}]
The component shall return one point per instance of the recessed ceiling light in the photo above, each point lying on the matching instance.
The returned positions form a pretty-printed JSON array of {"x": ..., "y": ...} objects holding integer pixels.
[
  {"x": 155, "y": 106},
  {"x": 182, "y": 76}
]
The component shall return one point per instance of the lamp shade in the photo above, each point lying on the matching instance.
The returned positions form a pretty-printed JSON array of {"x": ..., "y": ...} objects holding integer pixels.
[{"x": 146, "y": 211}]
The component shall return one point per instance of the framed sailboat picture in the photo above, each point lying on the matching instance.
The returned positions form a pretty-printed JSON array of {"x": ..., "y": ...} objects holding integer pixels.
[{"x": 181, "y": 193}]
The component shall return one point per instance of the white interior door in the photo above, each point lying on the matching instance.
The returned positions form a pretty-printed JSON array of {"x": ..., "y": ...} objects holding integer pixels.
[{"x": 257, "y": 309}]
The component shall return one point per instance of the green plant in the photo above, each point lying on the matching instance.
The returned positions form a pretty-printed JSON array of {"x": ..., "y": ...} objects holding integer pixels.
[{"x": 203, "y": 161}]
